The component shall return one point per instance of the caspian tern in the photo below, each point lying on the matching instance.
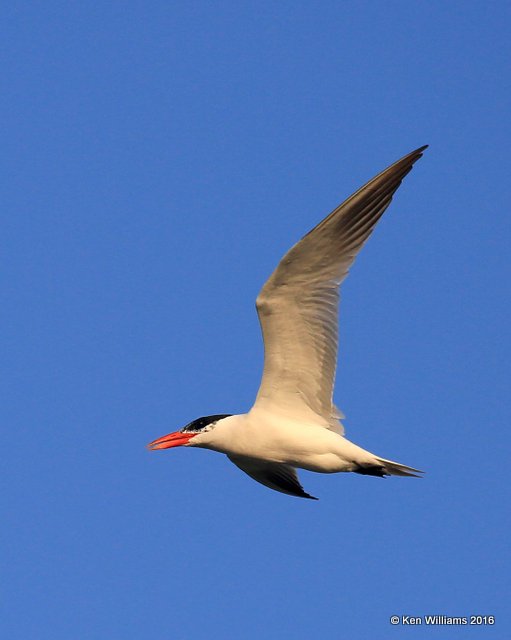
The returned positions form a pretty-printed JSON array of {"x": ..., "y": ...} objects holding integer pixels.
[{"x": 294, "y": 423}]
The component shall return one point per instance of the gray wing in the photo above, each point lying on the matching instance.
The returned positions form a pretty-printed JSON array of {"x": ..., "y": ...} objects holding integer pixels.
[
  {"x": 298, "y": 305},
  {"x": 280, "y": 477}
]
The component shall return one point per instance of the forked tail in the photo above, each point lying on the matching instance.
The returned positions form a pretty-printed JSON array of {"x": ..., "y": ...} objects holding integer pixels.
[
  {"x": 395, "y": 469},
  {"x": 382, "y": 467}
]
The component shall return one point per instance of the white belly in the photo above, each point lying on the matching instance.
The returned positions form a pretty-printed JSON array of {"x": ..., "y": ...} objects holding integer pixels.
[{"x": 279, "y": 439}]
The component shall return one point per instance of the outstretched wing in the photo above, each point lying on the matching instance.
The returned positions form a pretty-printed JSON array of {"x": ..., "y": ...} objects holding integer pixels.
[
  {"x": 298, "y": 305},
  {"x": 277, "y": 476}
]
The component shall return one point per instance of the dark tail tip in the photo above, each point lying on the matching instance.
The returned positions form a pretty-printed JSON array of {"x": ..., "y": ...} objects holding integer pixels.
[{"x": 371, "y": 470}]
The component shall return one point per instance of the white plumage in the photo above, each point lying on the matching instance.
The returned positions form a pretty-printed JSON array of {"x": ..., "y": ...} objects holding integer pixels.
[{"x": 294, "y": 423}]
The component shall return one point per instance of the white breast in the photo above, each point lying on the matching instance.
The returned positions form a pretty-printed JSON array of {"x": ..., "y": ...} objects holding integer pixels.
[{"x": 278, "y": 438}]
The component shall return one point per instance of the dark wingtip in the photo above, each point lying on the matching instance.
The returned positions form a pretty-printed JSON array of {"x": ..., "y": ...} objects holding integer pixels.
[{"x": 416, "y": 154}]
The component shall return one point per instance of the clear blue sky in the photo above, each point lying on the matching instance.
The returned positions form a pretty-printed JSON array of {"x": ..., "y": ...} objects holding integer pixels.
[{"x": 158, "y": 158}]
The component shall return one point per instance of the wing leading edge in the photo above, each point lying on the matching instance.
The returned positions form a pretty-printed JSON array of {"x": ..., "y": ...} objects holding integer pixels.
[{"x": 298, "y": 305}]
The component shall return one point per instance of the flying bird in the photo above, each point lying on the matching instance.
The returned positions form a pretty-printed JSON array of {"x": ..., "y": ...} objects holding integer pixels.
[{"x": 293, "y": 422}]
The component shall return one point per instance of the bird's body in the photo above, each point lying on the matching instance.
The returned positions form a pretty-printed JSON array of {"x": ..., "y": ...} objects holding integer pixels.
[
  {"x": 294, "y": 423},
  {"x": 269, "y": 436}
]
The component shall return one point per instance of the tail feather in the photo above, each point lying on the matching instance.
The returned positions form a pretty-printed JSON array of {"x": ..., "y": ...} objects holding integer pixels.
[{"x": 396, "y": 469}]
